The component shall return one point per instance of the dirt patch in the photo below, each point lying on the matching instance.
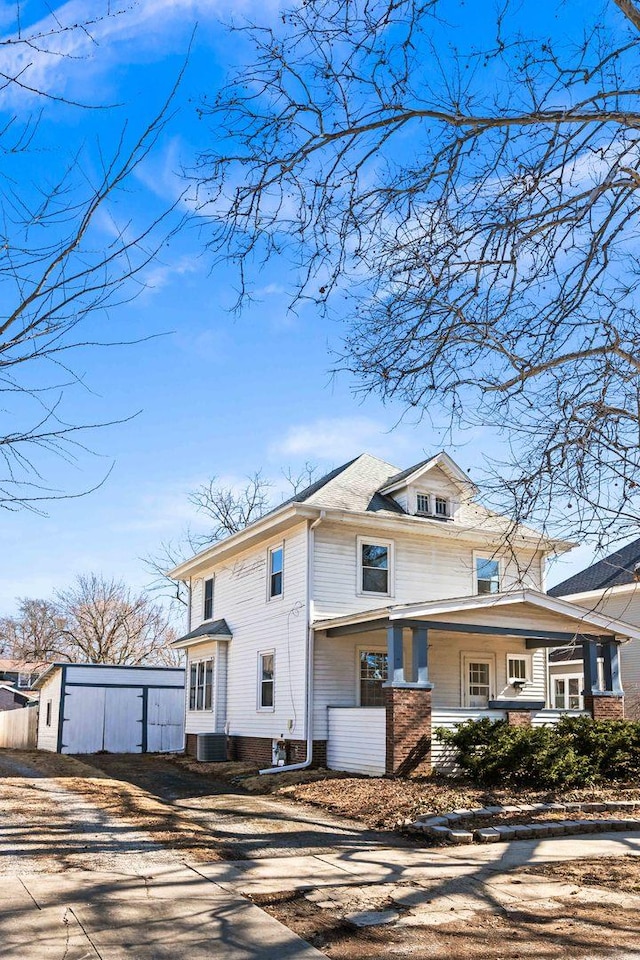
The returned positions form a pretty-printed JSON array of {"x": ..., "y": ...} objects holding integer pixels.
[
  {"x": 621, "y": 874},
  {"x": 565, "y": 929}
]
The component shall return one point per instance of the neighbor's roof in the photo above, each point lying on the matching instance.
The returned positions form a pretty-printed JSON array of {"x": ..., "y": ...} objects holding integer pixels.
[
  {"x": 613, "y": 571},
  {"x": 22, "y": 666}
]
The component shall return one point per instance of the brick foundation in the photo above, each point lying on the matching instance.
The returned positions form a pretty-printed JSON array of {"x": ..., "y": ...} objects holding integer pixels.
[
  {"x": 408, "y": 741},
  {"x": 190, "y": 744},
  {"x": 519, "y": 718},
  {"x": 258, "y": 750},
  {"x": 605, "y": 708}
]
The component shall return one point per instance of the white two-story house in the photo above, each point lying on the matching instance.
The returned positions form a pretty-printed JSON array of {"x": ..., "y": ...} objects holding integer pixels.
[{"x": 348, "y": 623}]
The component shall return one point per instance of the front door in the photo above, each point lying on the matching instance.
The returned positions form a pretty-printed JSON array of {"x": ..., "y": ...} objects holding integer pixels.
[{"x": 477, "y": 681}]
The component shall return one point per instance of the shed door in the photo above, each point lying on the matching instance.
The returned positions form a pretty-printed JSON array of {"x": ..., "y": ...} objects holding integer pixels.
[
  {"x": 123, "y": 720},
  {"x": 165, "y": 724},
  {"x": 102, "y": 718}
]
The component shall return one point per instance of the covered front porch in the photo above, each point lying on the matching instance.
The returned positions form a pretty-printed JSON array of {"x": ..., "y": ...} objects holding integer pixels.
[{"x": 387, "y": 678}]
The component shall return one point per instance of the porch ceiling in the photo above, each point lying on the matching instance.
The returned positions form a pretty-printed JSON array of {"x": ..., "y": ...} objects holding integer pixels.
[{"x": 506, "y": 614}]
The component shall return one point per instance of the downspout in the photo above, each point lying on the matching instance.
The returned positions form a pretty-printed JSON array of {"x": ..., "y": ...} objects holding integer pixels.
[{"x": 310, "y": 649}]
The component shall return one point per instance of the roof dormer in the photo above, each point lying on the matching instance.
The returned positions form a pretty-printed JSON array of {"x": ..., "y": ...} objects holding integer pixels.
[{"x": 433, "y": 488}]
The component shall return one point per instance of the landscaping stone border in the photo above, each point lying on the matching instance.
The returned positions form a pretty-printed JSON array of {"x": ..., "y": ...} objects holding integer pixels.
[{"x": 450, "y": 826}]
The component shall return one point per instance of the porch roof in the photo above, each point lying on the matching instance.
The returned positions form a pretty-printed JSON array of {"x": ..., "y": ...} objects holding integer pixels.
[{"x": 474, "y": 614}]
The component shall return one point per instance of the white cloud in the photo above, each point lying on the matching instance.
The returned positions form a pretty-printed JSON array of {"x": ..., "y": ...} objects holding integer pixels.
[{"x": 341, "y": 438}]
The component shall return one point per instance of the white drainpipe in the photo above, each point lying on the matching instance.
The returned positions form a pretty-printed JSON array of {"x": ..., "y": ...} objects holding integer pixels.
[{"x": 310, "y": 648}]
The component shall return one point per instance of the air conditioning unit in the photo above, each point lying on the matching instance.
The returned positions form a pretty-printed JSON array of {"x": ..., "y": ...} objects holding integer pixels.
[{"x": 211, "y": 747}]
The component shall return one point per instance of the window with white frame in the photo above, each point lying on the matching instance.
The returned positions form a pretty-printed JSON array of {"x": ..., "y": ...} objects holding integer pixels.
[
  {"x": 207, "y": 610},
  {"x": 441, "y": 507},
  {"x": 518, "y": 668},
  {"x": 432, "y": 505},
  {"x": 276, "y": 572},
  {"x": 372, "y": 673},
  {"x": 375, "y": 566},
  {"x": 567, "y": 693},
  {"x": 423, "y": 503},
  {"x": 266, "y": 680},
  {"x": 24, "y": 680},
  {"x": 487, "y": 571},
  {"x": 201, "y": 684}
]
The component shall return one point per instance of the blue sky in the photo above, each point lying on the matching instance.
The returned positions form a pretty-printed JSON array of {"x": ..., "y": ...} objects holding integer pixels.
[{"x": 216, "y": 395}]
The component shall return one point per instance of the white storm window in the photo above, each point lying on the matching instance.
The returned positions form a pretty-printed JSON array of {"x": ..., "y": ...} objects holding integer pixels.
[
  {"x": 376, "y": 567},
  {"x": 518, "y": 668},
  {"x": 207, "y": 611},
  {"x": 266, "y": 680},
  {"x": 276, "y": 571},
  {"x": 567, "y": 693},
  {"x": 487, "y": 575},
  {"x": 201, "y": 684}
]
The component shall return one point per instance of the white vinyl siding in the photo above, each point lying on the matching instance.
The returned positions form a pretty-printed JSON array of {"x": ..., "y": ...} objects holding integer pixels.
[
  {"x": 356, "y": 741},
  {"x": 48, "y": 734},
  {"x": 258, "y": 624},
  {"x": 424, "y": 569}
]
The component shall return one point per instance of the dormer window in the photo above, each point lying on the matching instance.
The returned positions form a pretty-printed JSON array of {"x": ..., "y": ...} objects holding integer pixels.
[{"x": 430, "y": 505}]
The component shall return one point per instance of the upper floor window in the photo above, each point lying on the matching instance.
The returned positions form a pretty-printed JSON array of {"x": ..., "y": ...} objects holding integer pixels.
[
  {"x": 487, "y": 575},
  {"x": 24, "y": 680},
  {"x": 276, "y": 570},
  {"x": 201, "y": 684},
  {"x": 441, "y": 507},
  {"x": 423, "y": 503},
  {"x": 375, "y": 562},
  {"x": 208, "y": 599}
]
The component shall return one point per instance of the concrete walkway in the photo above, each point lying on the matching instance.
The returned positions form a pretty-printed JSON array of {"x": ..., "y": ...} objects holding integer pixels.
[{"x": 201, "y": 911}]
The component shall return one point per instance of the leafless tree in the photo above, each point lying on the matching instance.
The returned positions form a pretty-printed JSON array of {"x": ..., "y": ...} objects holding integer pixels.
[
  {"x": 56, "y": 269},
  {"x": 94, "y": 621},
  {"x": 466, "y": 193}
]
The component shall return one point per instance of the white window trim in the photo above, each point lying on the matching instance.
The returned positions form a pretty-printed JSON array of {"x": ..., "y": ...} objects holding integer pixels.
[
  {"x": 486, "y": 555},
  {"x": 259, "y": 707},
  {"x": 205, "y": 580},
  {"x": 467, "y": 657},
  {"x": 566, "y": 677},
  {"x": 368, "y": 648},
  {"x": 202, "y": 659},
  {"x": 270, "y": 551},
  {"x": 527, "y": 657},
  {"x": 376, "y": 541}
]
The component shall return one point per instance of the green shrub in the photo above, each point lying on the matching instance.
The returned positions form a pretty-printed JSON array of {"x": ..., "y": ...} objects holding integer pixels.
[{"x": 575, "y": 752}]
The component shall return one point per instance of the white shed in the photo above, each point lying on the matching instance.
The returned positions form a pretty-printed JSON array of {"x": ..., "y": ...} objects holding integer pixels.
[{"x": 89, "y": 707}]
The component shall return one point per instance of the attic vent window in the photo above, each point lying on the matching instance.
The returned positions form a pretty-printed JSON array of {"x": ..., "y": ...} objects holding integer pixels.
[{"x": 428, "y": 505}]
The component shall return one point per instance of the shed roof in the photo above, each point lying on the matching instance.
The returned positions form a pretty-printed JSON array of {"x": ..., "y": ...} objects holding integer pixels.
[{"x": 213, "y": 629}]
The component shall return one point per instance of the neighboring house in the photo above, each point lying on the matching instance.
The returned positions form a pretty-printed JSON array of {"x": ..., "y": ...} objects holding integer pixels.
[
  {"x": 612, "y": 587},
  {"x": 89, "y": 708},
  {"x": 20, "y": 674},
  {"x": 13, "y": 699},
  {"x": 375, "y": 606}
]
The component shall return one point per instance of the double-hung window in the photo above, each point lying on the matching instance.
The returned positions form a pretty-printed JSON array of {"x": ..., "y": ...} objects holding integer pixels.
[
  {"x": 276, "y": 572},
  {"x": 201, "y": 684},
  {"x": 207, "y": 611},
  {"x": 375, "y": 566},
  {"x": 372, "y": 668},
  {"x": 266, "y": 680},
  {"x": 487, "y": 575}
]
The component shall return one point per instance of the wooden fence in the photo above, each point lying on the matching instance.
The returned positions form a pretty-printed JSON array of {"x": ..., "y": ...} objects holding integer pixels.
[{"x": 19, "y": 728}]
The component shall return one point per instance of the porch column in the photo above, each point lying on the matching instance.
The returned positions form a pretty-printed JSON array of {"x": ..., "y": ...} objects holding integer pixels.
[
  {"x": 408, "y": 706},
  {"x": 607, "y": 703}
]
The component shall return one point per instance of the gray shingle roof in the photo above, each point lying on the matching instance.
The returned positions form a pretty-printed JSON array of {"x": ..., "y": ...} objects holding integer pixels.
[
  {"x": 407, "y": 473},
  {"x": 612, "y": 571},
  {"x": 212, "y": 628}
]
